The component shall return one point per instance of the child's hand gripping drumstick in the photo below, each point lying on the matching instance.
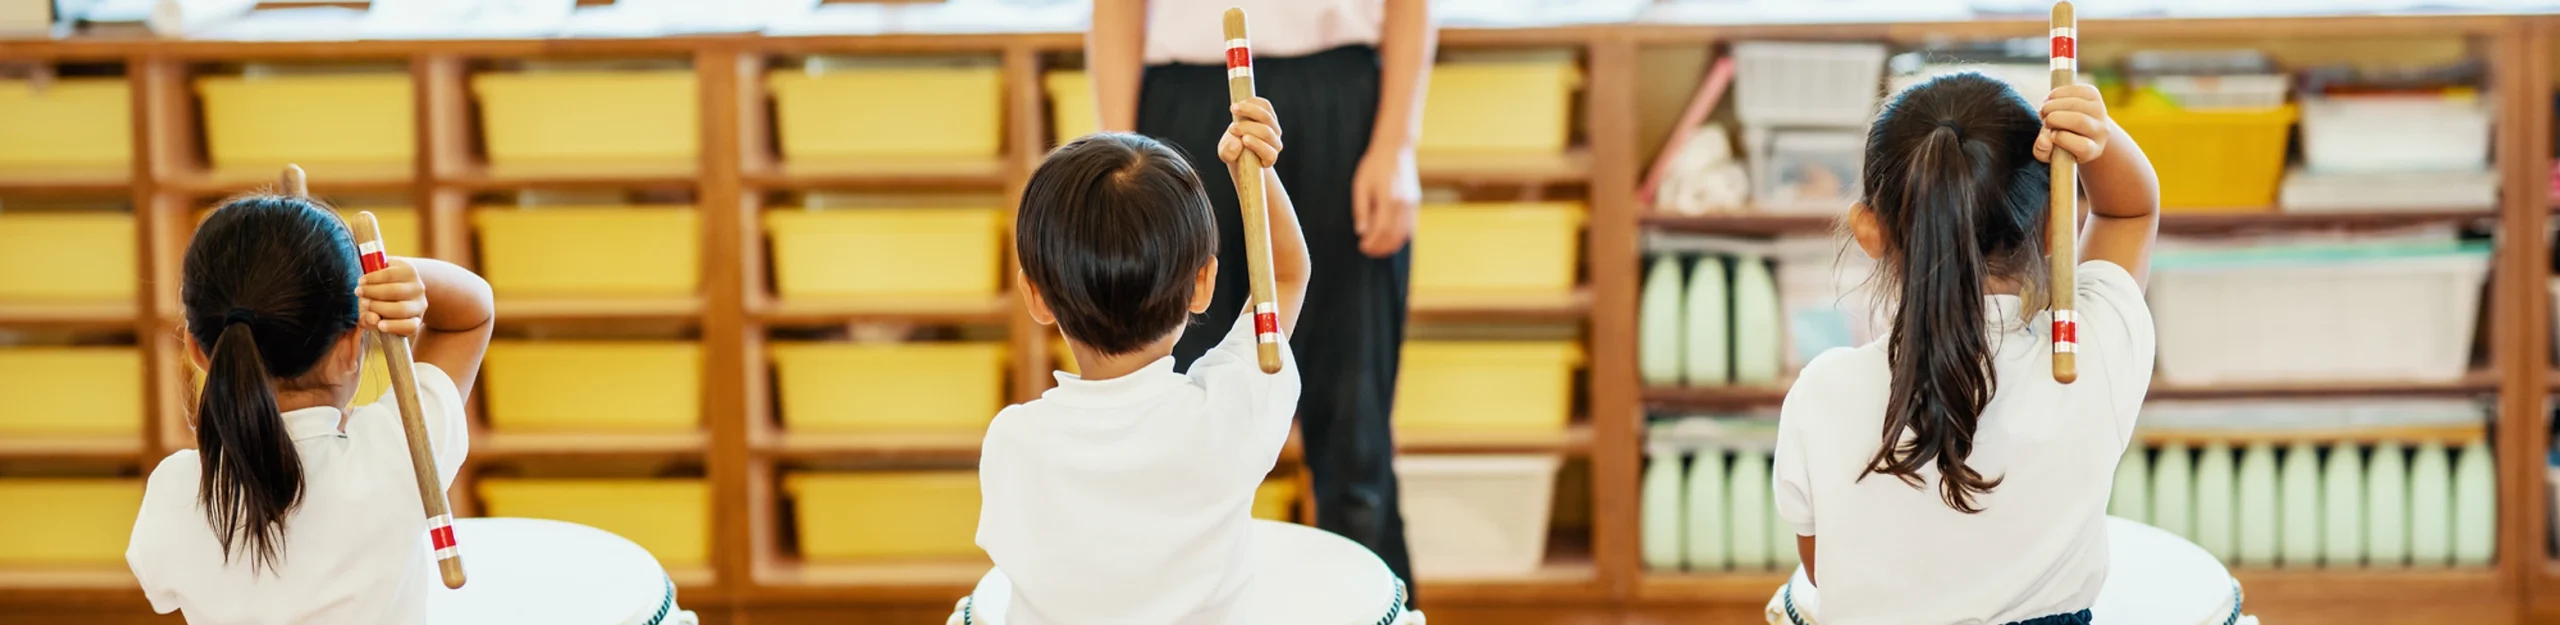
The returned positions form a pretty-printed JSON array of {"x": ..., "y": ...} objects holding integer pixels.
[
  {"x": 1249, "y": 193},
  {"x": 2063, "y": 224},
  {"x": 404, "y": 389}
]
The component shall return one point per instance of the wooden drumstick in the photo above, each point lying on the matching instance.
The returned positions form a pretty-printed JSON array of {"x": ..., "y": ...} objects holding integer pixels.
[
  {"x": 2064, "y": 225},
  {"x": 404, "y": 390},
  {"x": 1257, "y": 218}
]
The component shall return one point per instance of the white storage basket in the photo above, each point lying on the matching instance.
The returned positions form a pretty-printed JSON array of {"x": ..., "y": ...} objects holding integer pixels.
[
  {"x": 2395, "y": 133},
  {"x": 1472, "y": 516},
  {"x": 2403, "y": 318},
  {"x": 1807, "y": 84}
]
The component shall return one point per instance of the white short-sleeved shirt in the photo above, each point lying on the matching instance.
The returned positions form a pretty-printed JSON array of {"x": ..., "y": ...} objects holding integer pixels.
[
  {"x": 1891, "y": 553},
  {"x": 1192, "y": 31},
  {"x": 1128, "y": 501},
  {"x": 355, "y": 548}
]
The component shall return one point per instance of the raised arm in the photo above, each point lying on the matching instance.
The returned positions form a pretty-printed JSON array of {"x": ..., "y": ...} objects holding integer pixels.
[
  {"x": 1257, "y": 128},
  {"x": 2124, "y": 193},
  {"x": 1114, "y": 59},
  {"x": 447, "y": 310}
]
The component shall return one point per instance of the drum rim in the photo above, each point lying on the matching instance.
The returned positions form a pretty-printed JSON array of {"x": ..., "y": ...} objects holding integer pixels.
[
  {"x": 1787, "y": 597},
  {"x": 666, "y": 604},
  {"x": 969, "y": 606}
]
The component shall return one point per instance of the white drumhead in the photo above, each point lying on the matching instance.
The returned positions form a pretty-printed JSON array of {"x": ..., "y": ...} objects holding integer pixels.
[
  {"x": 1301, "y": 576},
  {"x": 2153, "y": 576},
  {"x": 550, "y": 572}
]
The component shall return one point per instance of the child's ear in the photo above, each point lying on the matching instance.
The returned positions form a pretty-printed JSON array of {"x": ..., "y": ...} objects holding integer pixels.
[
  {"x": 347, "y": 357},
  {"x": 1031, "y": 299},
  {"x": 1204, "y": 287},
  {"x": 195, "y": 351},
  {"x": 1869, "y": 232}
]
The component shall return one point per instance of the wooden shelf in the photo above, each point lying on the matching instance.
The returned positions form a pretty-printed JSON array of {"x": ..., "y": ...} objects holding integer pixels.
[
  {"x": 116, "y": 577},
  {"x": 622, "y": 174},
  {"x": 692, "y": 577},
  {"x": 325, "y": 178},
  {"x": 1749, "y": 588},
  {"x": 2451, "y": 435},
  {"x": 1572, "y": 167},
  {"x": 115, "y": 447},
  {"x": 1769, "y": 225},
  {"x": 494, "y": 444},
  {"x": 1503, "y": 307},
  {"x": 1749, "y": 397},
  {"x": 67, "y": 180},
  {"x": 589, "y": 308},
  {"x": 962, "y": 309},
  {"x": 924, "y": 172},
  {"x": 1567, "y": 576},
  {"x": 922, "y": 446},
  {"x": 68, "y": 313},
  {"x": 2313, "y": 586}
]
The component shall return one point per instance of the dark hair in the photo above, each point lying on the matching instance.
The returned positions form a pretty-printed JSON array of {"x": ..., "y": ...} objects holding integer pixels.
[
  {"x": 1113, "y": 231},
  {"x": 269, "y": 284},
  {"x": 1952, "y": 179}
]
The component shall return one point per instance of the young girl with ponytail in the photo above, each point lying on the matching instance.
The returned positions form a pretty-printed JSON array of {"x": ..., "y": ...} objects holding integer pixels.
[
  {"x": 1948, "y": 477},
  {"x": 295, "y": 507}
]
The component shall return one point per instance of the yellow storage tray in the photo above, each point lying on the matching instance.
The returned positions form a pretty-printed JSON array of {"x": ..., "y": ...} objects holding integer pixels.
[
  {"x": 2213, "y": 161},
  {"x": 890, "y": 112},
  {"x": 352, "y": 119},
  {"x": 1499, "y": 108},
  {"x": 594, "y": 386},
  {"x": 588, "y": 117},
  {"x": 920, "y": 515},
  {"x": 1481, "y": 386},
  {"x": 1072, "y": 111},
  {"x": 77, "y": 124},
  {"x": 669, "y": 517},
  {"x": 71, "y": 391},
  {"x": 1529, "y": 248},
  {"x": 590, "y": 251},
  {"x": 67, "y": 257},
  {"x": 900, "y": 387},
  {"x": 67, "y": 522},
  {"x": 1275, "y": 500},
  {"x": 881, "y": 252}
]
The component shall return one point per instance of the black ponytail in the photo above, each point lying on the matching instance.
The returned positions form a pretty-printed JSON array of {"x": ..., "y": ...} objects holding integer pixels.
[
  {"x": 1949, "y": 176},
  {"x": 269, "y": 288}
]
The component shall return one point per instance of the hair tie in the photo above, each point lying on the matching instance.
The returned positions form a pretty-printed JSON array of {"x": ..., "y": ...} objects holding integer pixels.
[
  {"x": 239, "y": 315},
  {"x": 1951, "y": 126}
]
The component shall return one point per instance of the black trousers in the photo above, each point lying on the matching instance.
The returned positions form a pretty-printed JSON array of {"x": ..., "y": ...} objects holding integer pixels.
[{"x": 1350, "y": 333}]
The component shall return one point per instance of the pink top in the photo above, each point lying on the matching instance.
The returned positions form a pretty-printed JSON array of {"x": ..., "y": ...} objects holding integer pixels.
[{"x": 1192, "y": 31}]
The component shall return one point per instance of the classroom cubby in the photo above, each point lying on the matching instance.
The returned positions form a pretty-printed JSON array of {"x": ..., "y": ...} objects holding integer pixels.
[{"x": 724, "y": 140}]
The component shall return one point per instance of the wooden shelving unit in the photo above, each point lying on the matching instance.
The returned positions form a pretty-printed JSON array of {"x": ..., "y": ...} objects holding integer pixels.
[{"x": 1589, "y": 576}]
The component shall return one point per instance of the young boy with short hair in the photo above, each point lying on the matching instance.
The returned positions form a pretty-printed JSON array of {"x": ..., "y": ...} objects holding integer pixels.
[{"x": 1124, "y": 495}]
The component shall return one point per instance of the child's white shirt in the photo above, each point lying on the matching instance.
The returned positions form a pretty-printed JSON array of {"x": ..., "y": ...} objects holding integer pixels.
[
  {"x": 1886, "y": 552},
  {"x": 1129, "y": 500},
  {"x": 355, "y": 548}
]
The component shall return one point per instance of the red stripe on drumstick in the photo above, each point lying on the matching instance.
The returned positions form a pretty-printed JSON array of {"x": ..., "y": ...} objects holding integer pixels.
[
  {"x": 2066, "y": 332},
  {"x": 440, "y": 532},
  {"x": 370, "y": 255},
  {"x": 1266, "y": 322}
]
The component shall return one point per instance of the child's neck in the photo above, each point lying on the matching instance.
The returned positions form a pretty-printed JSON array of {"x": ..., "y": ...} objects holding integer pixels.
[{"x": 1093, "y": 366}]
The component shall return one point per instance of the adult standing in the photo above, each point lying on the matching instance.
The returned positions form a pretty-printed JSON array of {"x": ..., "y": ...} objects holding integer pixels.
[{"x": 1347, "y": 79}]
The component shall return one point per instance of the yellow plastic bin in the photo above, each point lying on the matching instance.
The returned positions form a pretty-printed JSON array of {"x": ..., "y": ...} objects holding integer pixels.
[
  {"x": 1506, "y": 249},
  {"x": 882, "y": 252},
  {"x": 898, "y": 387},
  {"x": 1483, "y": 386},
  {"x": 351, "y": 119},
  {"x": 918, "y": 515},
  {"x": 67, "y": 257},
  {"x": 71, "y": 391},
  {"x": 1275, "y": 500},
  {"x": 890, "y": 112},
  {"x": 669, "y": 517},
  {"x": 590, "y": 251},
  {"x": 2212, "y": 161},
  {"x": 1499, "y": 108},
  {"x": 1072, "y": 112},
  {"x": 67, "y": 521},
  {"x": 588, "y": 117},
  {"x": 77, "y": 124},
  {"x": 594, "y": 386}
]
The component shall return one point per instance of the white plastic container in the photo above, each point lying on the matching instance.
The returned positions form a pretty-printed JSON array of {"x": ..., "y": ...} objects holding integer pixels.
[
  {"x": 1477, "y": 515},
  {"x": 2414, "y": 319},
  {"x": 1807, "y": 84},
  {"x": 2395, "y": 133}
]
